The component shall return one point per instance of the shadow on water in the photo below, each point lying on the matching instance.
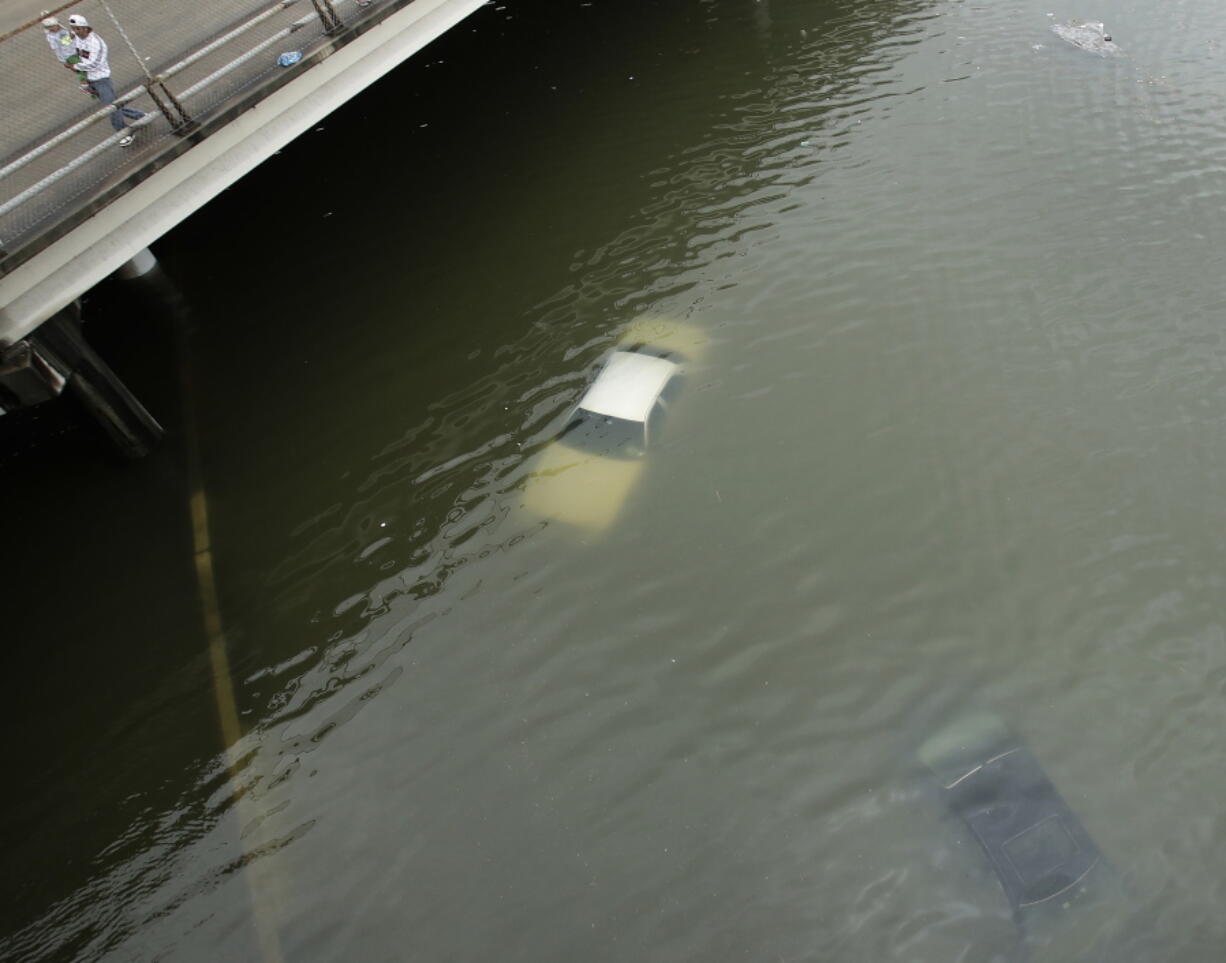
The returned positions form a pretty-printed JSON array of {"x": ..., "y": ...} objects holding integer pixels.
[{"x": 105, "y": 658}]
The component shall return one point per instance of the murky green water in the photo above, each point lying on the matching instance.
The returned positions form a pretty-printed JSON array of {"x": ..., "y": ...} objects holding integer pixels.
[{"x": 952, "y": 441}]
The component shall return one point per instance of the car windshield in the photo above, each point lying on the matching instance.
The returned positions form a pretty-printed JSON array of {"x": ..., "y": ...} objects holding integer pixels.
[{"x": 604, "y": 435}]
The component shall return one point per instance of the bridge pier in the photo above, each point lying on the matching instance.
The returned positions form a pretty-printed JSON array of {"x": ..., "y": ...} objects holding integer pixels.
[
  {"x": 125, "y": 420},
  {"x": 141, "y": 263}
]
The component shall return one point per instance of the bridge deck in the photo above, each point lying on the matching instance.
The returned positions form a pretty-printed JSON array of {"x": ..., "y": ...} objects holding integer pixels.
[{"x": 62, "y": 239}]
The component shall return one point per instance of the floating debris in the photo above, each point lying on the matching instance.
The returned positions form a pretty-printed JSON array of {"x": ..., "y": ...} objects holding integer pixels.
[{"x": 1088, "y": 35}]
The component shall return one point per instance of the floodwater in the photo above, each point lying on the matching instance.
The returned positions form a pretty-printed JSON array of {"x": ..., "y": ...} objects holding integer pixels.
[{"x": 953, "y": 442}]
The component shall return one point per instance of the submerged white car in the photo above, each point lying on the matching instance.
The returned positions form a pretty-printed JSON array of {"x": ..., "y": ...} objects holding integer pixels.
[{"x": 585, "y": 475}]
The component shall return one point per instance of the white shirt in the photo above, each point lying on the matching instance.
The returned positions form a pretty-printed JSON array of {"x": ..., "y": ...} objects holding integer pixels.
[
  {"x": 92, "y": 50},
  {"x": 63, "y": 43}
]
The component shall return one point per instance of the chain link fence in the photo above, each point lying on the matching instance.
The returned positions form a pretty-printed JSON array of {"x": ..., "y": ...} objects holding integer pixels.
[{"x": 176, "y": 60}]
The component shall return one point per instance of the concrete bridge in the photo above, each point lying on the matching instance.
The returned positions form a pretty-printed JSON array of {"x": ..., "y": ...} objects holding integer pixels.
[{"x": 75, "y": 206}]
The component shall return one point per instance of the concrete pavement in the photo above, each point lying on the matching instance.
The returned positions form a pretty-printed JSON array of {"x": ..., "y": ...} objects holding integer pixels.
[{"x": 15, "y": 14}]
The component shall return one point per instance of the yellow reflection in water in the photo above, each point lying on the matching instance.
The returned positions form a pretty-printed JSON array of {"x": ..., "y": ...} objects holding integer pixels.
[
  {"x": 667, "y": 335},
  {"x": 580, "y": 488}
]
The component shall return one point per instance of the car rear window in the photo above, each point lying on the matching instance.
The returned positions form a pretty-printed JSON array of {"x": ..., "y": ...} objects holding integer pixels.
[
  {"x": 655, "y": 351},
  {"x": 604, "y": 435}
]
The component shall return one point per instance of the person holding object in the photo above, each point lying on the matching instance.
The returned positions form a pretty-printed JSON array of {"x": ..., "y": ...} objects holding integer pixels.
[{"x": 94, "y": 71}]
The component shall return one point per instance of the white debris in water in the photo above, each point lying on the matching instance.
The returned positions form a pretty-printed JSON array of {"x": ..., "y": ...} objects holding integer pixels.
[
  {"x": 373, "y": 547},
  {"x": 1088, "y": 35}
]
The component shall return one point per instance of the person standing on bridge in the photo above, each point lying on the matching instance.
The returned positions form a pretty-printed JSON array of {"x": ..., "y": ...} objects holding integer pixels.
[{"x": 94, "y": 71}]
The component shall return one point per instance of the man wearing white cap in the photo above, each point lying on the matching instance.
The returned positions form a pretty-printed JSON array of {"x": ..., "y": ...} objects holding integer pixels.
[{"x": 94, "y": 71}]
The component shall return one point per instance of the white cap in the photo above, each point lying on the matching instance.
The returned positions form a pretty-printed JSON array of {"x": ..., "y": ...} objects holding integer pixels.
[
  {"x": 76, "y": 20},
  {"x": 50, "y": 22}
]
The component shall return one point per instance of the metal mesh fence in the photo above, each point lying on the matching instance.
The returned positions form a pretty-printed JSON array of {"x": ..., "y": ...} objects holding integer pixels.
[{"x": 58, "y": 147}]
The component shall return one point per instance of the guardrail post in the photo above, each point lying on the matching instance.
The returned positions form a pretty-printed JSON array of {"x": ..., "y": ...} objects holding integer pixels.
[
  {"x": 180, "y": 120},
  {"x": 327, "y": 16}
]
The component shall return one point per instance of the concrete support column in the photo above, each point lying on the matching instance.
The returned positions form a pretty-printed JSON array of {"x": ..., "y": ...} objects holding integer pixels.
[
  {"x": 126, "y": 421},
  {"x": 142, "y": 263},
  {"x": 145, "y": 279}
]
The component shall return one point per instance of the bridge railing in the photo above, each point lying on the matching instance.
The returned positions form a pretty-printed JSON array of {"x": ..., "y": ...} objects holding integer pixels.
[{"x": 175, "y": 60}]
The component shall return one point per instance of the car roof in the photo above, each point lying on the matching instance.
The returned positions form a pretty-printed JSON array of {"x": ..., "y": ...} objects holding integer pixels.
[{"x": 628, "y": 385}]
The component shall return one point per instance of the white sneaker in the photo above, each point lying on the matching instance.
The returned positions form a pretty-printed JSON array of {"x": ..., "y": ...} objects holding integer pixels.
[{"x": 125, "y": 141}]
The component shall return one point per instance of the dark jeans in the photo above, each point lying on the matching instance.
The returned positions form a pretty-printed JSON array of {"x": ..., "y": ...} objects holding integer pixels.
[{"x": 106, "y": 93}]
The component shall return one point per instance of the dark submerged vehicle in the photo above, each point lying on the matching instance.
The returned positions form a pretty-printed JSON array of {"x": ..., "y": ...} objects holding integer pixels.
[{"x": 1041, "y": 853}]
